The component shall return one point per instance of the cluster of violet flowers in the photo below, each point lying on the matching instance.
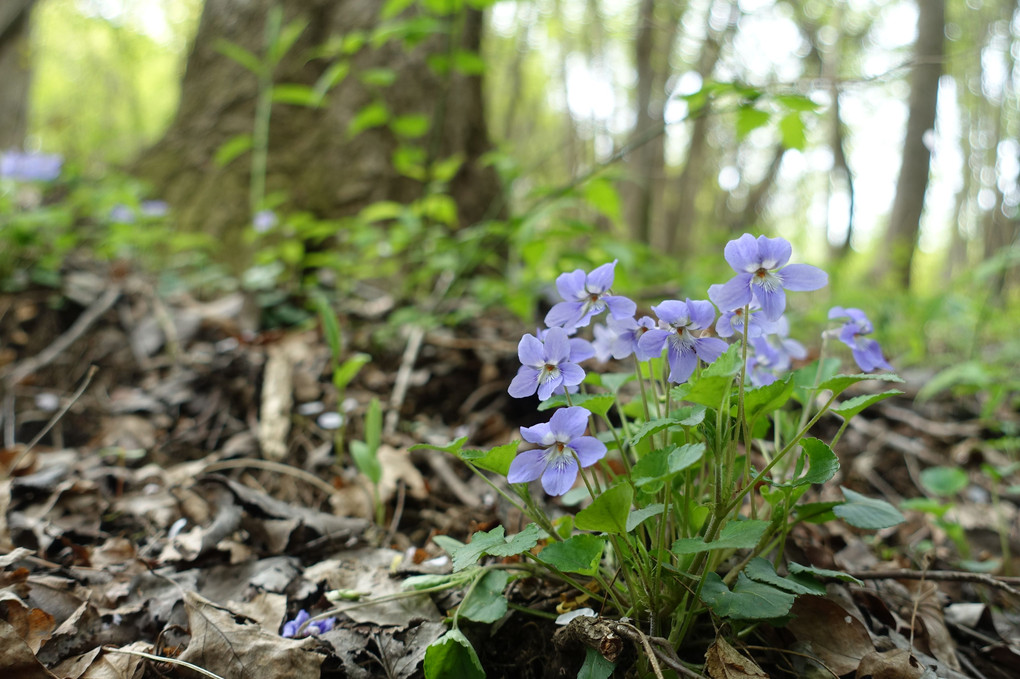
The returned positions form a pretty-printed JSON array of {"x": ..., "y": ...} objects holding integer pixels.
[{"x": 750, "y": 305}]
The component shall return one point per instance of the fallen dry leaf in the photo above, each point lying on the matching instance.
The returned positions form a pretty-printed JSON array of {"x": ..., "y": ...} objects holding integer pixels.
[
  {"x": 722, "y": 661},
  {"x": 826, "y": 630},
  {"x": 17, "y": 659},
  {"x": 897, "y": 663},
  {"x": 33, "y": 625},
  {"x": 231, "y": 645},
  {"x": 102, "y": 664}
]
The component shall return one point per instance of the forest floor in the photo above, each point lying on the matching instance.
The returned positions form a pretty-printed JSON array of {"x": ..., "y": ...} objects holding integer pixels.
[{"x": 183, "y": 500}]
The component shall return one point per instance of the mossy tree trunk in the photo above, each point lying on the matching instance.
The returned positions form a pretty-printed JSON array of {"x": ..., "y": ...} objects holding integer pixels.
[{"x": 313, "y": 159}]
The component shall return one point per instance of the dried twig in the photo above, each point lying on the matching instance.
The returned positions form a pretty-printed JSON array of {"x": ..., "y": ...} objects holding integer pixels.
[
  {"x": 20, "y": 371},
  {"x": 163, "y": 659},
  {"x": 269, "y": 465},
  {"x": 57, "y": 417},
  {"x": 945, "y": 576}
]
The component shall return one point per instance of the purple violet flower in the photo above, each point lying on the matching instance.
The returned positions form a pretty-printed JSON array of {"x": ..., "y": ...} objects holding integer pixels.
[
  {"x": 732, "y": 322},
  {"x": 867, "y": 353},
  {"x": 292, "y": 628},
  {"x": 30, "y": 166},
  {"x": 554, "y": 461},
  {"x": 264, "y": 220},
  {"x": 620, "y": 336},
  {"x": 546, "y": 365},
  {"x": 764, "y": 275},
  {"x": 676, "y": 320},
  {"x": 774, "y": 353},
  {"x": 154, "y": 208},
  {"x": 586, "y": 295}
]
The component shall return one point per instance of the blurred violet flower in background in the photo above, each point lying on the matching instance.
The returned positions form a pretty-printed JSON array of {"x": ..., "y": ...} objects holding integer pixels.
[
  {"x": 683, "y": 349},
  {"x": 30, "y": 166},
  {"x": 264, "y": 220},
  {"x": 619, "y": 337},
  {"x": 774, "y": 353},
  {"x": 546, "y": 365},
  {"x": 732, "y": 322},
  {"x": 154, "y": 208},
  {"x": 764, "y": 275},
  {"x": 291, "y": 627},
  {"x": 867, "y": 352},
  {"x": 122, "y": 214},
  {"x": 586, "y": 295},
  {"x": 560, "y": 439}
]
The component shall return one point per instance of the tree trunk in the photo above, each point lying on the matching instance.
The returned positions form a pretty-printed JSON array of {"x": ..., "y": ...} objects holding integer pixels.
[
  {"x": 314, "y": 161},
  {"x": 15, "y": 72},
  {"x": 905, "y": 219}
]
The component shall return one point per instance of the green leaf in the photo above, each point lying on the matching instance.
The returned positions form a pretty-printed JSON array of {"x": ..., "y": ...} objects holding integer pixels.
[
  {"x": 410, "y": 126},
  {"x": 749, "y": 600},
  {"x": 452, "y": 655},
  {"x": 446, "y": 169},
  {"x": 439, "y": 207},
  {"x": 796, "y": 102},
  {"x": 797, "y": 569},
  {"x": 613, "y": 381},
  {"x": 288, "y": 36},
  {"x": 865, "y": 512},
  {"x": 750, "y": 119},
  {"x": 330, "y": 325},
  {"x": 646, "y": 429},
  {"x": 816, "y": 512},
  {"x": 708, "y": 390},
  {"x": 349, "y": 369},
  {"x": 608, "y": 512},
  {"x": 840, "y": 383},
  {"x": 394, "y": 7},
  {"x": 602, "y": 195},
  {"x": 598, "y": 404},
  {"x": 231, "y": 149},
  {"x": 519, "y": 542},
  {"x": 382, "y": 211},
  {"x": 372, "y": 115},
  {"x": 595, "y": 666},
  {"x": 734, "y": 535},
  {"x": 577, "y": 554},
  {"x": 373, "y": 425},
  {"x": 430, "y": 580},
  {"x": 468, "y": 62},
  {"x": 853, "y": 406},
  {"x": 298, "y": 95},
  {"x": 767, "y": 399},
  {"x": 662, "y": 464},
  {"x": 637, "y": 516},
  {"x": 823, "y": 464},
  {"x": 944, "y": 481},
  {"x": 453, "y": 447},
  {"x": 239, "y": 55},
  {"x": 486, "y": 602},
  {"x": 378, "y": 77},
  {"x": 331, "y": 77},
  {"x": 495, "y": 460},
  {"x": 764, "y": 572},
  {"x": 791, "y": 129},
  {"x": 366, "y": 461},
  {"x": 727, "y": 365},
  {"x": 493, "y": 543},
  {"x": 804, "y": 378}
]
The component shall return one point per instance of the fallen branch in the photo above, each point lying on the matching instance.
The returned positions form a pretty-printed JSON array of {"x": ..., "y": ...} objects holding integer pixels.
[{"x": 944, "y": 576}]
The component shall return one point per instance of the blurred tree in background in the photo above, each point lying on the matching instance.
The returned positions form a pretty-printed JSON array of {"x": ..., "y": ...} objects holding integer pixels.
[
  {"x": 15, "y": 71},
  {"x": 360, "y": 86}
]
